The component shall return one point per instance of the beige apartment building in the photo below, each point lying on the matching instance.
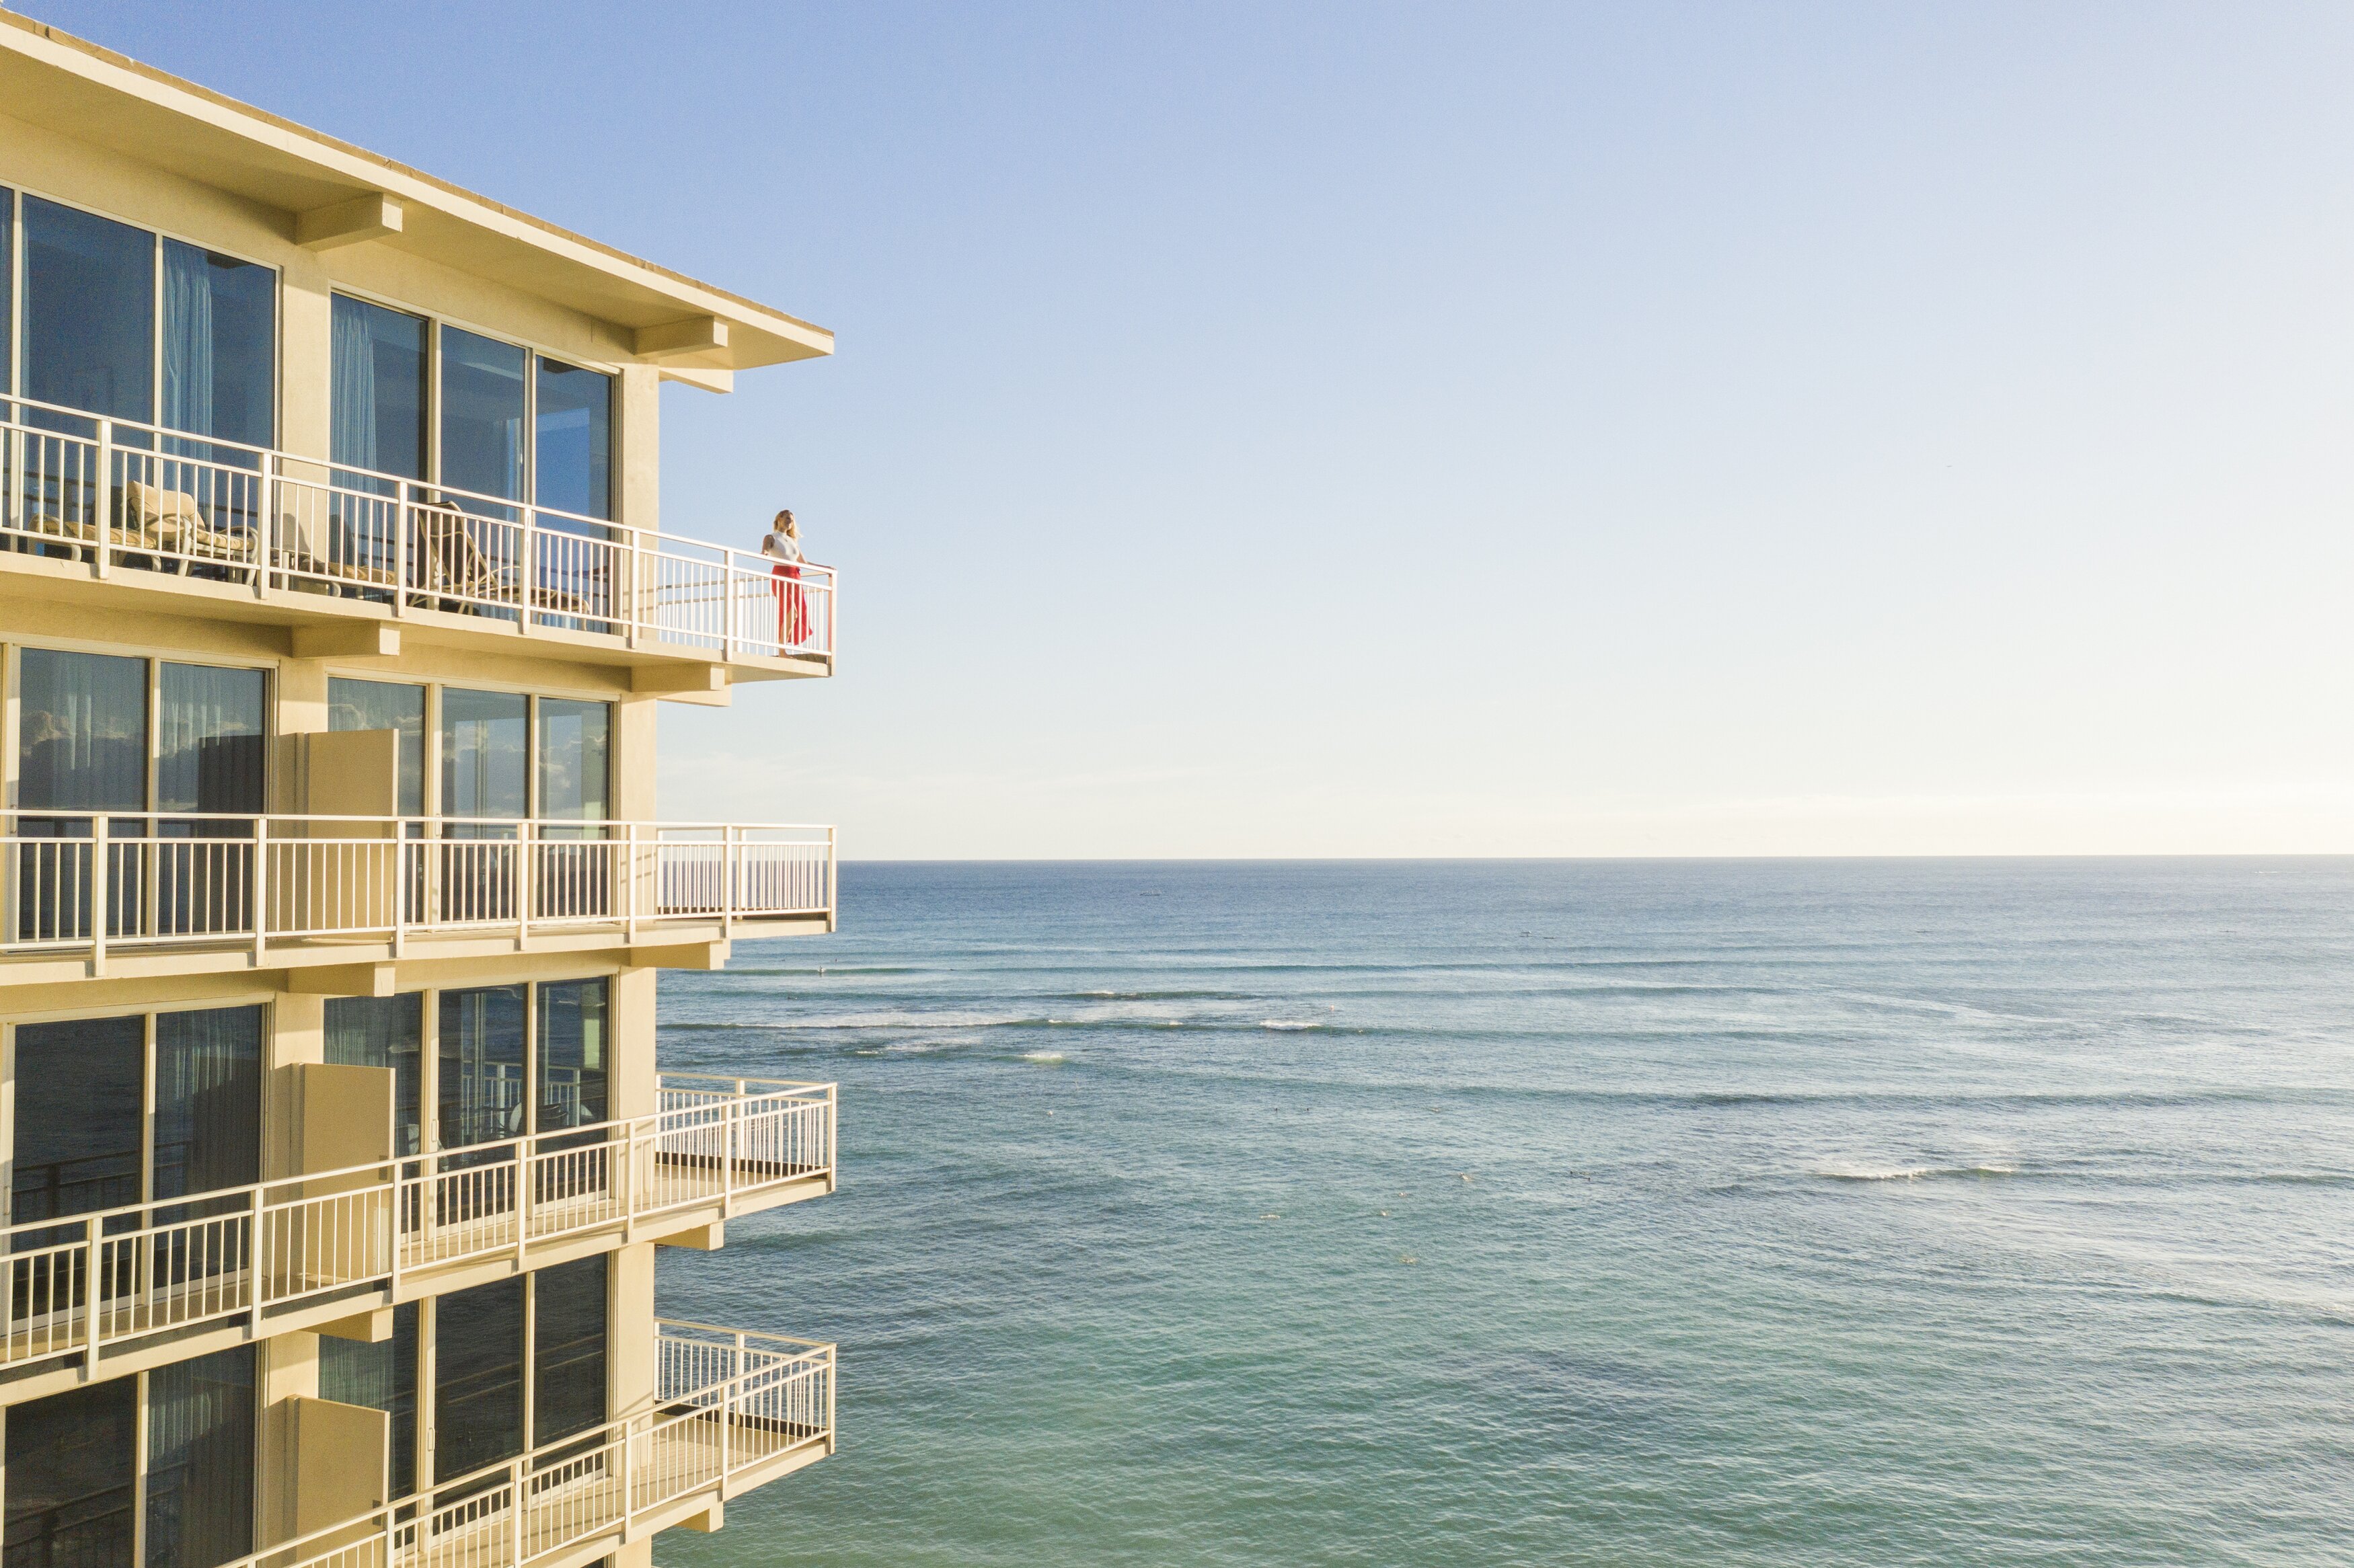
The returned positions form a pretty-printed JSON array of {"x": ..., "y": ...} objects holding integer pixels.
[{"x": 335, "y": 618}]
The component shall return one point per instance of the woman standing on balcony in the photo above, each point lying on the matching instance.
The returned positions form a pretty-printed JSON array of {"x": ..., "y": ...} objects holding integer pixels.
[{"x": 783, "y": 545}]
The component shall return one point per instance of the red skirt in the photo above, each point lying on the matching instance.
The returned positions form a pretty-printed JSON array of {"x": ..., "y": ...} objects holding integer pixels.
[{"x": 792, "y": 608}]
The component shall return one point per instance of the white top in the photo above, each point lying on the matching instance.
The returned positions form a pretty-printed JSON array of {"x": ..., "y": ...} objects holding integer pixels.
[{"x": 779, "y": 547}]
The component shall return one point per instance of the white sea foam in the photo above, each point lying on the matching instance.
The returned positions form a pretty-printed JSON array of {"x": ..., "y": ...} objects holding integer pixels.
[
  {"x": 1287, "y": 1025},
  {"x": 1045, "y": 1058}
]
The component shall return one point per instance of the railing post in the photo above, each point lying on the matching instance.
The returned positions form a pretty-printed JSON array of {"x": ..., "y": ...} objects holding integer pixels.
[
  {"x": 726, "y": 605},
  {"x": 98, "y": 873},
  {"x": 101, "y": 509},
  {"x": 265, "y": 527},
  {"x": 516, "y": 1474},
  {"x": 92, "y": 1294},
  {"x": 403, "y": 531},
  {"x": 261, "y": 890},
  {"x": 526, "y": 573},
  {"x": 260, "y": 1245},
  {"x": 526, "y": 880},
  {"x": 630, "y": 881},
  {"x": 727, "y": 858},
  {"x": 527, "y": 1182}
]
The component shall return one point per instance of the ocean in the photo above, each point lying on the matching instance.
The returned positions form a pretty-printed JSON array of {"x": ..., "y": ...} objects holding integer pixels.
[{"x": 1626, "y": 1213}]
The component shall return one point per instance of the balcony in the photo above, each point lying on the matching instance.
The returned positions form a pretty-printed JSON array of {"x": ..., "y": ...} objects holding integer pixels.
[
  {"x": 253, "y": 534},
  {"x": 732, "y": 1411},
  {"x": 210, "y": 1269},
  {"x": 188, "y": 891}
]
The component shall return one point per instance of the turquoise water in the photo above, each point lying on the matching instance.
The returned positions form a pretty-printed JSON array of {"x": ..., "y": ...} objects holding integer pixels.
[{"x": 1559, "y": 1212}]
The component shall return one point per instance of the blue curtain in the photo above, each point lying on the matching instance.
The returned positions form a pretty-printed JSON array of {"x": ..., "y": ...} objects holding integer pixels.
[
  {"x": 352, "y": 400},
  {"x": 187, "y": 339}
]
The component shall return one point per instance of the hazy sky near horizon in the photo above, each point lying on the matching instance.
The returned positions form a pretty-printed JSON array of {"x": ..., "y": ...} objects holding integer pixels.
[{"x": 1471, "y": 429}]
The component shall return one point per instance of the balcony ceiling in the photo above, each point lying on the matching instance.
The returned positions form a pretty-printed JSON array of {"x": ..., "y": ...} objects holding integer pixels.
[{"x": 62, "y": 83}]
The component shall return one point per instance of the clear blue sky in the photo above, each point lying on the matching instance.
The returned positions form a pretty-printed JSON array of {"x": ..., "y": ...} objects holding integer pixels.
[{"x": 1356, "y": 429}]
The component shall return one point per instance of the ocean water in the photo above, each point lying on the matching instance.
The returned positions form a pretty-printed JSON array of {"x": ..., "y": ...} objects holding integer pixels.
[{"x": 1559, "y": 1213}]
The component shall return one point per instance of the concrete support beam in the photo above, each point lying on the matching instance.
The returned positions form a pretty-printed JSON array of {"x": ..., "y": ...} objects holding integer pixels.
[
  {"x": 361, "y": 1328},
  {"x": 370, "y": 216},
  {"x": 682, "y": 956},
  {"x": 361, "y": 641},
  {"x": 705, "y": 1239},
  {"x": 666, "y": 680},
  {"x": 343, "y": 980},
  {"x": 683, "y": 339},
  {"x": 704, "y": 1523}
]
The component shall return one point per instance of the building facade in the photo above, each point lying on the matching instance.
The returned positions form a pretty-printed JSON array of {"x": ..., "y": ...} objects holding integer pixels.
[{"x": 335, "y": 615}]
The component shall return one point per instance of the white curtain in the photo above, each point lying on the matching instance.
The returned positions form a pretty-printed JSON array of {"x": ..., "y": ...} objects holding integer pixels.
[{"x": 351, "y": 397}]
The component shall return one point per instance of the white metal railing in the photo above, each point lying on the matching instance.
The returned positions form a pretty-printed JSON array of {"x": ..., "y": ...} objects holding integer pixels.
[
  {"x": 131, "y": 496},
  {"x": 242, "y": 1251},
  {"x": 733, "y": 1404},
  {"x": 130, "y": 879}
]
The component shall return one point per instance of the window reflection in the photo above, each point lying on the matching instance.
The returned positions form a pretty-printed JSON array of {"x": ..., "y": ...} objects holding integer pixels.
[
  {"x": 482, "y": 1066},
  {"x": 73, "y": 1476},
  {"x": 572, "y": 432},
  {"x": 386, "y": 704},
  {"x": 575, "y": 741},
  {"x": 384, "y": 1031},
  {"x": 90, "y": 312},
  {"x": 481, "y": 415},
  {"x": 221, "y": 332},
  {"x": 484, "y": 740},
  {"x": 377, "y": 399},
  {"x": 209, "y": 743},
  {"x": 478, "y": 1378},
  {"x": 200, "y": 1436},
  {"x": 572, "y": 1066}
]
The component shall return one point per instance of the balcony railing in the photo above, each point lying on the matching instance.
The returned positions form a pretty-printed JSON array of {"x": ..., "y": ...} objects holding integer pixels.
[
  {"x": 171, "y": 879},
  {"x": 728, "y": 1407},
  {"x": 135, "y": 497},
  {"x": 717, "y": 1145}
]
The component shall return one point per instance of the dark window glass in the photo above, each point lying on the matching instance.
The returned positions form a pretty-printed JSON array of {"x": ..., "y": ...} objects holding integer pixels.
[
  {"x": 200, "y": 1422},
  {"x": 572, "y": 429},
  {"x": 484, "y": 738},
  {"x": 207, "y": 1100},
  {"x": 376, "y": 401},
  {"x": 481, "y": 1089},
  {"x": 90, "y": 312},
  {"x": 7, "y": 290},
  {"x": 477, "y": 1377},
  {"x": 568, "y": 1350},
  {"x": 380, "y": 1377},
  {"x": 82, "y": 733},
  {"x": 72, "y": 1463},
  {"x": 208, "y": 745},
  {"x": 481, "y": 415},
  {"x": 220, "y": 346},
  {"x": 386, "y": 704},
  {"x": 384, "y": 1032},
  {"x": 575, "y": 749},
  {"x": 79, "y": 1085},
  {"x": 572, "y": 1065}
]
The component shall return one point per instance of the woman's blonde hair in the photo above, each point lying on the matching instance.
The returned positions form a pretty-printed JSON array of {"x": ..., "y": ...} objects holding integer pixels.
[{"x": 785, "y": 519}]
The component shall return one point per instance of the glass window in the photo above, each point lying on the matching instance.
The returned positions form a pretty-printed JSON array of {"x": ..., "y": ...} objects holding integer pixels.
[
  {"x": 384, "y": 1031},
  {"x": 484, "y": 738},
  {"x": 82, "y": 732},
  {"x": 568, "y": 1350},
  {"x": 200, "y": 1430},
  {"x": 572, "y": 437},
  {"x": 481, "y": 415},
  {"x": 90, "y": 312},
  {"x": 220, "y": 346},
  {"x": 377, "y": 393},
  {"x": 575, "y": 741},
  {"x": 71, "y": 1471},
  {"x": 385, "y": 704},
  {"x": 207, "y": 1101},
  {"x": 7, "y": 290},
  {"x": 379, "y": 1377},
  {"x": 80, "y": 1087},
  {"x": 477, "y": 1377},
  {"x": 482, "y": 1088},
  {"x": 571, "y": 1047},
  {"x": 209, "y": 747}
]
